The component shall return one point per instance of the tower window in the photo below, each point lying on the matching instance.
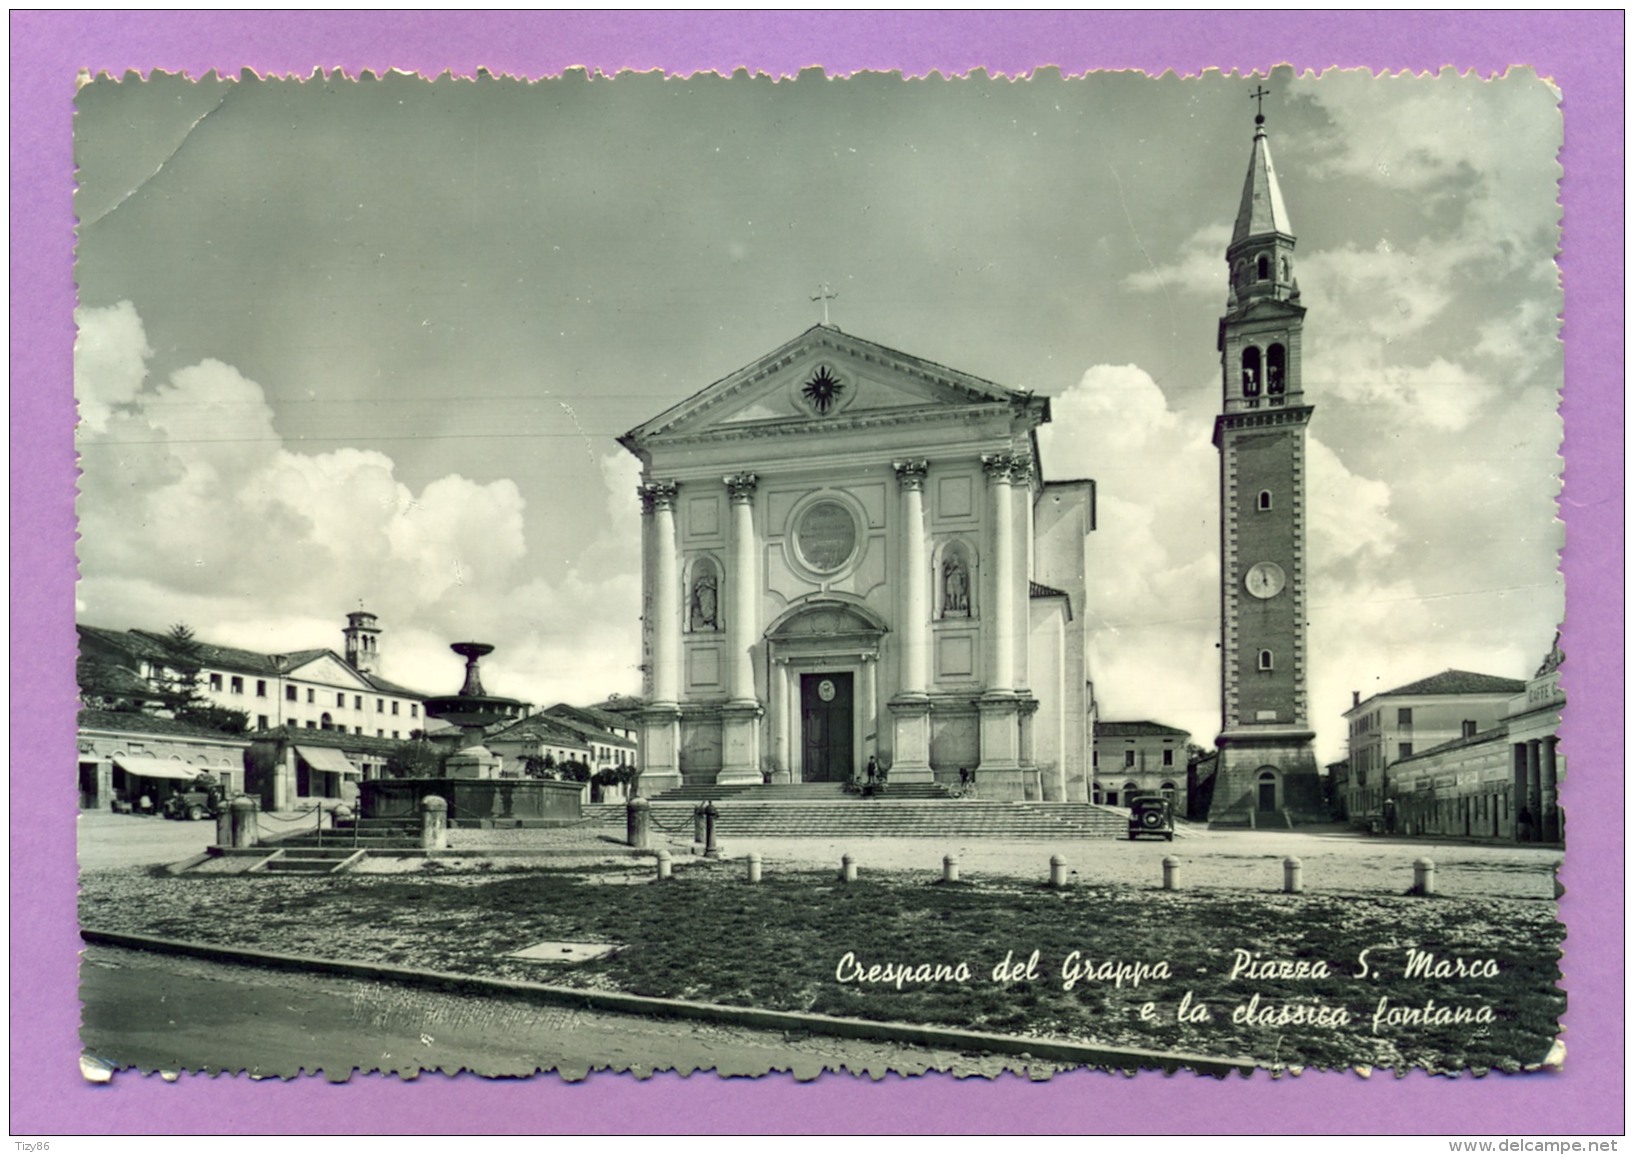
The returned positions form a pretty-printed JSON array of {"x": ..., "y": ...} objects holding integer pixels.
[
  {"x": 1263, "y": 268},
  {"x": 1266, "y": 661},
  {"x": 1276, "y": 369},
  {"x": 1264, "y": 502},
  {"x": 1251, "y": 371}
]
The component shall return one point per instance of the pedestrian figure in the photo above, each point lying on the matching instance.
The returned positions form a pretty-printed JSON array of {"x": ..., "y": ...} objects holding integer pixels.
[
  {"x": 882, "y": 773},
  {"x": 873, "y": 769},
  {"x": 145, "y": 804}
]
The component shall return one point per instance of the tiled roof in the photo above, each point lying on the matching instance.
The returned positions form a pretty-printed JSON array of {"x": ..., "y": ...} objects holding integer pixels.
[
  {"x": 1456, "y": 682},
  {"x": 335, "y": 739},
  {"x": 594, "y": 715},
  {"x": 565, "y": 715},
  {"x": 1494, "y": 734},
  {"x": 1138, "y": 730},
  {"x": 539, "y": 728},
  {"x": 113, "y": 681},
  {"x": 125, "y": 722},
  {"x": 622, "y": 707},
  {"x": 153, "y": 647}
]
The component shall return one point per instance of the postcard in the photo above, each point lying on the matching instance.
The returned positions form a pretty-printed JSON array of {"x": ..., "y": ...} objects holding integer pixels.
[{"x": 615, "y": 574}]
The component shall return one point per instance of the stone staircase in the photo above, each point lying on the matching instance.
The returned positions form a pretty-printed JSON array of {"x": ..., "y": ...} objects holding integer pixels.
[
  {"x": 359, "y": 834},
  {"x": 892, "y": 816},
  {"x": 307, "y": 860}
]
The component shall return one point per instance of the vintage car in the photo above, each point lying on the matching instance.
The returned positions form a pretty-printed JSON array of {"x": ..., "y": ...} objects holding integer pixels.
[{"x": 1151, "y": 814}]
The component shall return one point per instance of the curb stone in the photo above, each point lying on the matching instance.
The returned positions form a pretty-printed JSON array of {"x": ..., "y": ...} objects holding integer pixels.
[{"x": 946, "y": 1038}]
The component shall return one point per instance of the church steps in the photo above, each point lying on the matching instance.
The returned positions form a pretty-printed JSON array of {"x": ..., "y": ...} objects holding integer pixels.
[{"x": 888, "y": 818}]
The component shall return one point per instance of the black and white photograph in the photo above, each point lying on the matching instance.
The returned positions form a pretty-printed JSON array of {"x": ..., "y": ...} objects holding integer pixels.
[{"x": 827, "y": 574}]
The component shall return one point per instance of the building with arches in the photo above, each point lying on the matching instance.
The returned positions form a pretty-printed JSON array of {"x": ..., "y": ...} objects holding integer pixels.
[
  {"x": 850, "y": 553},
  {"x": 1139, "y": 758}
]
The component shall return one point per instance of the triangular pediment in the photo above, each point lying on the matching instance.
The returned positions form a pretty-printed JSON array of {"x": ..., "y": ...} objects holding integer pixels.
[
  {"x": 822, "y": 377},
  {"x": 328, "y": 669}
]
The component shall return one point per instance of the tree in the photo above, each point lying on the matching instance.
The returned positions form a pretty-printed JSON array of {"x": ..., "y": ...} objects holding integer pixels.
[
  {"x": 178, "y": 687},
  {"x": 416, "y": 759}
]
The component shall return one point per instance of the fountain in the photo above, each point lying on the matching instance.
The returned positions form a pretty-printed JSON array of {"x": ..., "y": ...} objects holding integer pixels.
[
  {"x": 472, "y": 710},
  {"x": 470, "y": 781}
]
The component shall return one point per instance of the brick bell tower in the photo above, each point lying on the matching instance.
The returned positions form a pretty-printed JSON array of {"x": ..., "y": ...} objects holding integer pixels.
[{"x": 1267, "y": 774}]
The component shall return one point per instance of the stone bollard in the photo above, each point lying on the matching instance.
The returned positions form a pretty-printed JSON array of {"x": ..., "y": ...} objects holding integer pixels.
[
  {"x": 1293, "y": 880},
  {"x": 1058, "y": 871},
  {"x": 433, "y": 823},
  {"x": 636, "y": 816},
  {"x": 950, "y": 868},
  {"x": 712, "y": 849},
  {"x": 663, "y": 865},
  {"x": 1424, "y": 877},
  {"x": 698, "y": 824},
  {"x": 1171, "y": 872},
  {"x": 848, "y": 868},
  {"x": 751, "y": 869},
  {"x": 246, "y": 830}
]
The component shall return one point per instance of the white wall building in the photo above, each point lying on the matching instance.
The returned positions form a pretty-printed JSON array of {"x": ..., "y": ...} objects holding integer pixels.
[{"x": 850, "y": 552}]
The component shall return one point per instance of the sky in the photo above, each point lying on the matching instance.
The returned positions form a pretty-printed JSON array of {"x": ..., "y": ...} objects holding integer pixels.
[{"x": 350, "y": 342}]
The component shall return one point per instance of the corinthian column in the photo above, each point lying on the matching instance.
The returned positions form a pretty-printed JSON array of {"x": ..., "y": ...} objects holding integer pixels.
[
  {"x": 741, "y": 590},
  {"x": 660, "y": 754},
  {"x": 1000, "y": 631},
  {"x": 666, "y": 594},
  {"x": 913, "y": 615},
  {"x": 910, "y": 705}
]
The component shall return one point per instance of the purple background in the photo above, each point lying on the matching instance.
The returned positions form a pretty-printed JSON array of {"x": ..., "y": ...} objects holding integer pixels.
[{"x": 1581, "y": 52}]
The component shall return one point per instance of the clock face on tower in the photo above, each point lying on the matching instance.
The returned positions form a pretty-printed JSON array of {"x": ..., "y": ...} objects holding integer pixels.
[{"x": 1265, "y": 579}]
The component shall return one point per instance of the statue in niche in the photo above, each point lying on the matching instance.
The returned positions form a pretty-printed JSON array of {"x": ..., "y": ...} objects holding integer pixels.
[
  {"x": 705, "y": 602},
  {"x": 955, "y": 588}
]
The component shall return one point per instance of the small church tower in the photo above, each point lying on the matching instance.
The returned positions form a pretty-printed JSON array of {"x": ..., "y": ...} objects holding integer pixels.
[
  {"x": 1267, "y": 768},
  {"x": 362, "y": 642}
]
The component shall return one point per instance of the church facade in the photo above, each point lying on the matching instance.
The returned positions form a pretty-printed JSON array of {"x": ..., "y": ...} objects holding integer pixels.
[{"x": 851, "y": 553}]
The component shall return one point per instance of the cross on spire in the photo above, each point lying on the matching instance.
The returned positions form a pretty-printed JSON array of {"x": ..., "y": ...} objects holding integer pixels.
[
  {"x": 1259, "y": 94},
  {"x": 825, "y": 295}
]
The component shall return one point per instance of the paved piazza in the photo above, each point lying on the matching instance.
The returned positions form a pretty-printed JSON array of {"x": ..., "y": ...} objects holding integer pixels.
[{"x": 1333, "y": 859}]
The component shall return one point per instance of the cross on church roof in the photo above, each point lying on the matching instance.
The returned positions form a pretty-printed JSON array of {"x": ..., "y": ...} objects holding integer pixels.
[
  {"x": 825, "y": 295},
  {"x": 1259, "y": 94}
]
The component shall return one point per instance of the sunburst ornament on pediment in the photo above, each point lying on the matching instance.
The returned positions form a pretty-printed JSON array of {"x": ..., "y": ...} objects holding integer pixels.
[{"x": 823, "y": 390}]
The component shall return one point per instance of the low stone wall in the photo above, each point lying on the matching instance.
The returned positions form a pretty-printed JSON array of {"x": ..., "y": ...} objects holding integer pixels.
[{"x": 473, "y": 801}]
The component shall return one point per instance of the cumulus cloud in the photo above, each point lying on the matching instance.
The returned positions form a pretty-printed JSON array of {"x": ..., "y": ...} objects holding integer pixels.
[
  {"x": 1198, "y": 268},
  {"x": 110, "y": 364},
  {"x": 1387, "y": 600},
  {"x": 193, "y": 509}
]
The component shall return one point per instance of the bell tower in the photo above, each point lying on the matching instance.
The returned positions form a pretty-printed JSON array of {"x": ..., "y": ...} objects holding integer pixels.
[
  {"x": 362, "y": 634},
  {"x": 1267, "y": 767}
]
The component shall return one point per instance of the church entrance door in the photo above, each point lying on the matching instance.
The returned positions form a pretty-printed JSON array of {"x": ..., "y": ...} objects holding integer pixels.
[{"x": 825, "y": 727}]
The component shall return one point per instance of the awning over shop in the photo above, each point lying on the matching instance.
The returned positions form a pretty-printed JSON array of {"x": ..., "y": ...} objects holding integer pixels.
[
  {"x": 157, "y": 767},
  {"x": 328, "y": 759}
]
